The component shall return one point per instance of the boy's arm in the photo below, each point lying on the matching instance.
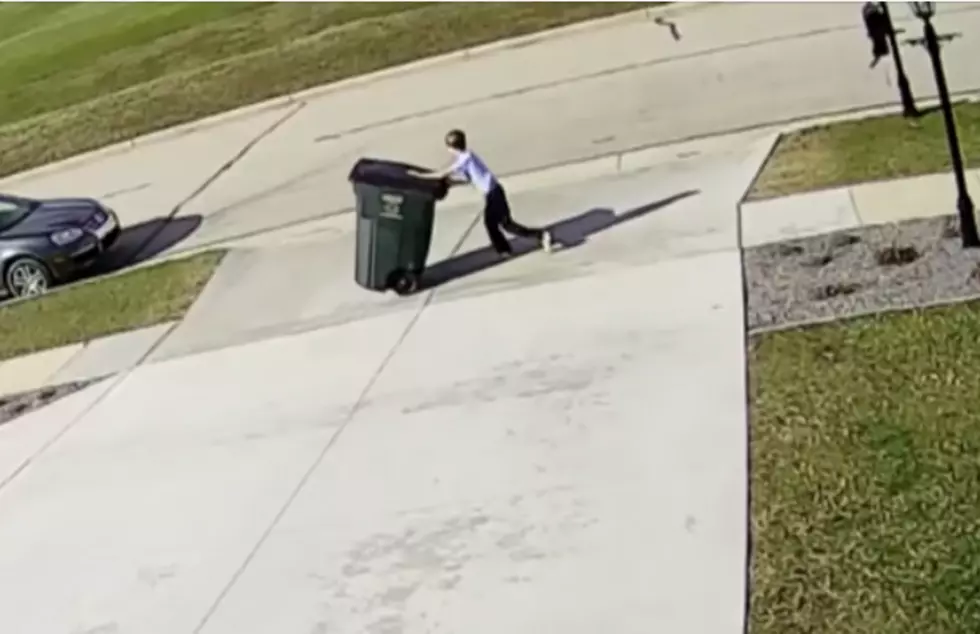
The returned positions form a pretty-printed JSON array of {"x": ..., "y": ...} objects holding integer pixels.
[{"x": 438, "y": 175}]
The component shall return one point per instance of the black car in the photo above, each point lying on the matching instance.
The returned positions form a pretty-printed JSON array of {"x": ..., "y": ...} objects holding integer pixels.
[{"x": 49, "y": 242}]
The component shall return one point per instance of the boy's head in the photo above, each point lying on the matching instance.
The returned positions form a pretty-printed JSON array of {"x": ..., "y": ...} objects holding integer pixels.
[{"x": 456, "y": 141}]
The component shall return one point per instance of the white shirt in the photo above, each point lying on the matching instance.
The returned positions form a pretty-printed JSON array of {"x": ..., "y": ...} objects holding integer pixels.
[{"x": 471, "y": 167}]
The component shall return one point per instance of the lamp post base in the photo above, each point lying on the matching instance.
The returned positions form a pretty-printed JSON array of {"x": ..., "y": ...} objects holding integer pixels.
[
  {"x": 968, "y": 222},
  {"x": 909, "y": 110}
]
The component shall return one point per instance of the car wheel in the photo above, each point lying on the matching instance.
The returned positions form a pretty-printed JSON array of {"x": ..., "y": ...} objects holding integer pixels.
[{"x": 27, "y": 277}]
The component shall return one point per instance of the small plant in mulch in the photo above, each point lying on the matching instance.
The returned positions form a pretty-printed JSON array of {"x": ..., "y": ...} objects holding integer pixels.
[
  {"x": 845, "y": 240},
  {"x": 820, "y": 261},
  {"x": 789, "y": 250},
  {"x": 975, "y": 274},
  {"x": 951, "y": 231},
  {"x": 838, "y": 289},
  {"x": 895, "y": 255}
]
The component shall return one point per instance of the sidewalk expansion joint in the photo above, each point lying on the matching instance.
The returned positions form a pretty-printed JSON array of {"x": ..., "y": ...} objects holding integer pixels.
[
  {"x": 334, "y": 439},
  {"x": 114, "y": 383},
  {"x": 213, "y": 177}
]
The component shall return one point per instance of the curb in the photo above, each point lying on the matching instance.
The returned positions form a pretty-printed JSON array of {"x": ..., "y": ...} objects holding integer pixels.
[
  {"x": 860, "y": 314},
  {"x": 410, "y": 68},
  {"x": 152, "y": 138},
  {"x": 959, "y": 97},
  {"x": 55, "y": 375}
]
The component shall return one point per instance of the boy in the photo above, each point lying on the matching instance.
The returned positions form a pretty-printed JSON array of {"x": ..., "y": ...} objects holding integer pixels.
[{"x": 470, "y": 168}]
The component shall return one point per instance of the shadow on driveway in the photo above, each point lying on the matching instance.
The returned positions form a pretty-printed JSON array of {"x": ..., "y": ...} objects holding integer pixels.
[
  {"x": 568, "y": 234},
  {"x": 146, "y": 240},
  {"x": 135, "y": 244}
]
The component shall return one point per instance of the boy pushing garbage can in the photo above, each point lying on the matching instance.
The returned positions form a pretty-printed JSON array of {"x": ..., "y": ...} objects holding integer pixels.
[{"x": 468, "y": 167}]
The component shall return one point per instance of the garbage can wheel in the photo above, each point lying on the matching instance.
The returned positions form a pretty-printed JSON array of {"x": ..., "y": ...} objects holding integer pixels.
[{"x": 404, "y": 282}]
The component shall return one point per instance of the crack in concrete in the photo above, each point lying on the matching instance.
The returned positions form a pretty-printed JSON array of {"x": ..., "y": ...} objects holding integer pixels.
[
  {"x": 114, "y": 383},
  {"x": 211, "y": 179},
  {"x": 120, "y": 377},
  {"x": 334, "y": 439},
  {"x": 608, "y": 72}
]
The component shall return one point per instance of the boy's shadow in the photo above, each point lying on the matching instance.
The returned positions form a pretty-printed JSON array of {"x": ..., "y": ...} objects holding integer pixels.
[{"x": 568, "y": 234}]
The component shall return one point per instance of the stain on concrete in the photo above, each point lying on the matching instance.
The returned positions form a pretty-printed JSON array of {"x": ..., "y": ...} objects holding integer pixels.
[
  {"x": 110, "y": 627},
  {"x": 690, "y": 523},
  {"x": 432, "y": 551},
  {"x": 126, "y": 190},
  {"x": 16, "y": 405},
  {"x": 391, "y": 624},
  {"x": 320, "y": 628},
  {"x": 153, "y": 576},
  {"x": 533, "y": 379}
]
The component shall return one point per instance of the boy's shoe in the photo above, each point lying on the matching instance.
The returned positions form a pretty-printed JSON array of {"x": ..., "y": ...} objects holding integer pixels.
[{"x": 547, "y": 242}]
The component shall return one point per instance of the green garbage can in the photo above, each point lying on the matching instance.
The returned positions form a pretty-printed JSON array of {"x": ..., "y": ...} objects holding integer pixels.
[{"x": 395, "y": 213}]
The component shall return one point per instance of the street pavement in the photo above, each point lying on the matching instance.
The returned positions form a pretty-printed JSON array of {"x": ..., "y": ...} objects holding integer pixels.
[
  {"x": 543, "y": 103},
  {"x": 732, "y": 69},
  {"x": 556, "y": 443}
]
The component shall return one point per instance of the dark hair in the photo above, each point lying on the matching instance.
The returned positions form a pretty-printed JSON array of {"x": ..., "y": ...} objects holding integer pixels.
[{"x": 456, "y": 139}]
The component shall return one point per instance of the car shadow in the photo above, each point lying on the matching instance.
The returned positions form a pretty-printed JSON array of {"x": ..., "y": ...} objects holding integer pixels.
[
  {"x": 569, "y": 233},
  {"x": 145, "y": 240}
]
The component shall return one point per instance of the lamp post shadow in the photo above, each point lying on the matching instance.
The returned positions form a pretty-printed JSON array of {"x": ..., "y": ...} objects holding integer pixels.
[{"x": 569, "y": 233}]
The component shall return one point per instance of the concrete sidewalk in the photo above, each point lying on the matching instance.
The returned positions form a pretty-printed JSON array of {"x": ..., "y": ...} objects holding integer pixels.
[
  {"x": 536, "y": 428},
  {"x": 880, "y": 202},
  {"x": 80, "y": 361}
]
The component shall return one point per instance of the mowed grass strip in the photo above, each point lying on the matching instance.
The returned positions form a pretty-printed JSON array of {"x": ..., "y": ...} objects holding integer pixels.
[
  {"x": 864, "y": 150},
  {"x": 866, "y": 476},
  {"x": 80, "y": 76},
  {"x": 135, "y": 299}
]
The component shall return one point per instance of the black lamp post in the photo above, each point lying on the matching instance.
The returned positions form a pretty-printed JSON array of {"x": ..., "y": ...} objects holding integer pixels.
[
  {"x": 968, "y": 224},
  {"x": 904, "y": 90}
]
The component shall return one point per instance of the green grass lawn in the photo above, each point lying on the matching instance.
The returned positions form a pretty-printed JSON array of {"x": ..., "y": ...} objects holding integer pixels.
[
  {"x": 134, "y": 299},
  {"x": 866, "y": 476},
  {"x": 77, "y": 76},
  {"x": 864, "y": 150}
]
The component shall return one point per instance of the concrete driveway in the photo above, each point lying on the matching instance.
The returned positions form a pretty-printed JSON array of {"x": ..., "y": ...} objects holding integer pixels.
[{"x": 527, "y": 447}]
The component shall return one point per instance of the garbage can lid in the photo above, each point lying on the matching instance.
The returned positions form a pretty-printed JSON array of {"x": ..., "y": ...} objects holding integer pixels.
[{"x": 393, "y": 174}]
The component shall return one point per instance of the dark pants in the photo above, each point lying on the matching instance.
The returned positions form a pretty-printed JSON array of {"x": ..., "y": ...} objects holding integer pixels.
[{"x": 496, "y": 216}]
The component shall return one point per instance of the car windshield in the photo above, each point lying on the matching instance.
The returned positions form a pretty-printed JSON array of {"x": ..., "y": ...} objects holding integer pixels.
[{"x": 13, "y": 210}]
